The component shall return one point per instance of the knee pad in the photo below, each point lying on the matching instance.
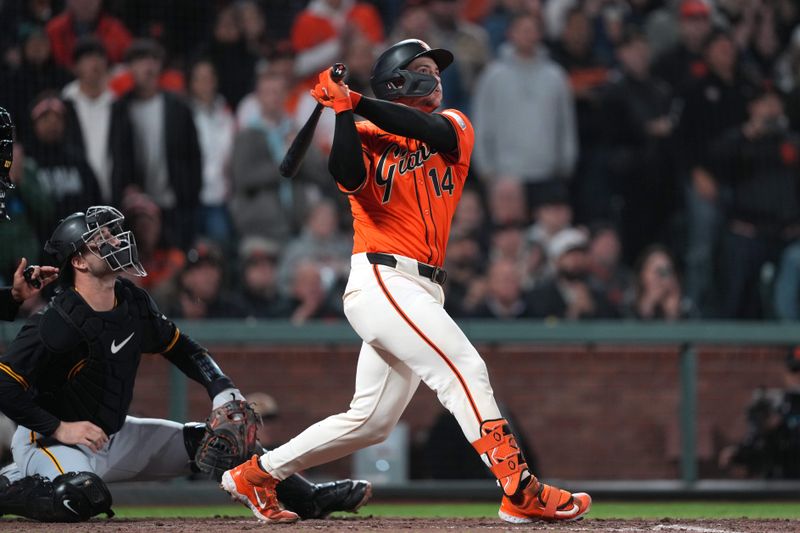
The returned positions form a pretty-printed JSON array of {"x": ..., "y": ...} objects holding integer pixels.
[
  {"x": 193, "y": 433},
  {"x": 82, "y": 495}
]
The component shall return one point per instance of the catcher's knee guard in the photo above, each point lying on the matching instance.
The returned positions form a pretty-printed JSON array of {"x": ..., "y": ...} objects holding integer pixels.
[
  {"x": 193, "y": 433},
  {"x": 71, "y": 497}
]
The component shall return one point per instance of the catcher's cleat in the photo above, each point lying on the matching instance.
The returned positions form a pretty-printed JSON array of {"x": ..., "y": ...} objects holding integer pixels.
[
  {"x": 253, "y": 487},
  {"x": 543, "y": 502}
]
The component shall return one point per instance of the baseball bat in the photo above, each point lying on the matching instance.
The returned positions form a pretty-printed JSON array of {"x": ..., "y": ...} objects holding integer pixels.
[{"x": 297, "y": 150}]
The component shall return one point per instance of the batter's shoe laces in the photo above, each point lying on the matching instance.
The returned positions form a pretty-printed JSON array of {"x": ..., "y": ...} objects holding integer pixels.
[
  {"x": 539, "y": 501},
  {"x": 250, "y": 485}
]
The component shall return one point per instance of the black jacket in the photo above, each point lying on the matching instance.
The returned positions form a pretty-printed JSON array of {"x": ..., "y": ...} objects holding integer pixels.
[{"x": 184, "y": 160}]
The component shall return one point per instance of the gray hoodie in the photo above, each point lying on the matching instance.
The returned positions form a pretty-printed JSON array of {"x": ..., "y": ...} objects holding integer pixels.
[{"x": 524, "y": 117}]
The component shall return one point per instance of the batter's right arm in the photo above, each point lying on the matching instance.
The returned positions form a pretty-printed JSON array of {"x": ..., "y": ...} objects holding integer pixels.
[{"x": 431, "y": 128}]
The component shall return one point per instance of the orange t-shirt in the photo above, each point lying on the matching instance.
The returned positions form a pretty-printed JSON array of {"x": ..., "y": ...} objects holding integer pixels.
[{"x": 406, "y": 204}]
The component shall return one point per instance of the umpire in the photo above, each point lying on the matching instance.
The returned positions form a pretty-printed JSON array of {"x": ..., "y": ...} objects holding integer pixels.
[{"x": 67, "y": 380}]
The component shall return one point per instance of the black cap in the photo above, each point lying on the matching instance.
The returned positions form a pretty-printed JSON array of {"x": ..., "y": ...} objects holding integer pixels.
[{"x": 88, "y": 45}]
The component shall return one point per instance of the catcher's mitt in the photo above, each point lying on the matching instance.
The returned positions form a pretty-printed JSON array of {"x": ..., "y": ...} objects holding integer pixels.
[{"x": 230, "y": 438}]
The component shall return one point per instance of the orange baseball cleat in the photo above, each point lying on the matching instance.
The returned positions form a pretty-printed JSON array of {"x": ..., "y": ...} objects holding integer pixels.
[
  {"x": 544, "y": 502},
  {"x": 249, "y": 484}
]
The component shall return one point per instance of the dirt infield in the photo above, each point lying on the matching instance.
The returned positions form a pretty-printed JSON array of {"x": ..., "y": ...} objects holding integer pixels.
[{"x": 409, "y": 525}]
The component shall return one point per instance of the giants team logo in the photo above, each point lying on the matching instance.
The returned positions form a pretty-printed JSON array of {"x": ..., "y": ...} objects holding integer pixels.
[{"x": 396, "y": 161}]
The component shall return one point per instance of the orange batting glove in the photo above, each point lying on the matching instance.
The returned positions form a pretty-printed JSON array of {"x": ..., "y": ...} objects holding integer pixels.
[
  {"x": 339, "y": 93},
  {"x": 318, "y": 93}
]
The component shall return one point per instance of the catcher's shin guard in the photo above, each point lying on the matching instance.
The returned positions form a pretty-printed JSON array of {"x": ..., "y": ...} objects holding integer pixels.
[
  {"x": 71, "y": 497},
  {"x": 505, "y": 459},
  {"x": 318, "y": 500}
]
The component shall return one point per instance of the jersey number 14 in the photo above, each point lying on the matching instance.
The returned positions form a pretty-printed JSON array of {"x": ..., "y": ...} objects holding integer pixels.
[{"x": 439, "y": 185}]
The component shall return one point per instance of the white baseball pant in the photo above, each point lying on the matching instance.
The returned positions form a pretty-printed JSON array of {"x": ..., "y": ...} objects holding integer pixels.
[{"x": 408, "y": 337}]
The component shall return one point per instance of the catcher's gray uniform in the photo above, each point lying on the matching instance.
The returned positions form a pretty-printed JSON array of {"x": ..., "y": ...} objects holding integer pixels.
[{"x": 143, "y": 449}]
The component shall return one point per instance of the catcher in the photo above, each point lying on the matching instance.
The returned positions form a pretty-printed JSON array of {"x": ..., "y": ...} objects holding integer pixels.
[{"x": 67, "y": 380}]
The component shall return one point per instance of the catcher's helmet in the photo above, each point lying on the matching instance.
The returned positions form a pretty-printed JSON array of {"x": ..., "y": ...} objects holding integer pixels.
[
  {"x": 391, "y": 81},
  {"x": 101, "y": 226},
  {"x": 6, "y": 146}
]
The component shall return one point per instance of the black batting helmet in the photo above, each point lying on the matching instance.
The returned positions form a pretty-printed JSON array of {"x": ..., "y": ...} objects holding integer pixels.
[
  {"x": 391, "y": 81},
  {"x": 6, "y": 146}
]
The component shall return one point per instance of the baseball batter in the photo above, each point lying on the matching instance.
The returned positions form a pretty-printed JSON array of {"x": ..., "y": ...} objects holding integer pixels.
[
  {"x": 404, "y": 171},
  {"x": 67, "y": 380}
]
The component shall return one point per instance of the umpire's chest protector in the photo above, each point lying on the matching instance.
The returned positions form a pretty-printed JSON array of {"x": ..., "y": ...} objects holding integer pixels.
[{"x": 95, "y": 358}]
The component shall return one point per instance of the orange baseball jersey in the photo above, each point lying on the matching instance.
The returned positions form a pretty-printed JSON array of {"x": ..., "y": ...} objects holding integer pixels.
[{"x": 406, "y": 204}]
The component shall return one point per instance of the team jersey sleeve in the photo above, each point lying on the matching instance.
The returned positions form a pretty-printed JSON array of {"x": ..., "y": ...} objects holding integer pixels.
[
  {"x": 160, "y": 333},
  {"x": 20, "y": 366},
  {"x": 365, "y": 130},
  {"x": 465, "y": 137}
]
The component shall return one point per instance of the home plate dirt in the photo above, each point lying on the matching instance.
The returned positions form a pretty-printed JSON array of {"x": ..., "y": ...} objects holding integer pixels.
[{"x": 406, "y": 525}]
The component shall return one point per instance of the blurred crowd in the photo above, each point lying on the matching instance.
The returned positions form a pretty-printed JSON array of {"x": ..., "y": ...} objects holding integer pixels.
[{"x": 633, "y": 158}]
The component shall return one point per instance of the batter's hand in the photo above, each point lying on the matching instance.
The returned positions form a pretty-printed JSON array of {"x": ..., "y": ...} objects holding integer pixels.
[
  {"x": 337, "y": 92},
  {"x": 21, "y": 289},
  {"x": 84, "y": 433}
]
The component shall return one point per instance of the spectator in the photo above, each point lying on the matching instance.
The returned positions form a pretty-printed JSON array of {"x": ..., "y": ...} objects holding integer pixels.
[
  {"x": 771, "y": 447},
  {"x": 168, "y": 157},
  {"x": 260, "y": 290},
  {"x": 568, "y": 294},
  {"x": 99, "y": 126},
  {"x": 62, "y": 171},
  {"x": 263, "y": 202},
  {"x": 469, "y": 44},
  {"x": 216, "y": 128},
  {"x": 592, "y": 190},
  {"x": 31, "y": 208},
  {"x": 37, "y": 73},
  {"x": 310, "y": 301},
  {"x": 552, "y": 214},
  {"x": 235, "y": 64},
  {"x": 786, "y": 291},
  {"x": 470, "y": 219},
  {"x": 711, "y": 105},
  {"x": 17, "y": 15},
  {"x": 608, "y": 275},
  {"x": 497, "y": 21},
  {"x": 322, "y": 242},
  {"x": 86, "y": 17},
  {"x": 535, "y": 138},
  {"x": 683, "y": 63},
  {"x": 253, "y": 25},
  {"x": 658, "y": 290},
  {"x": 504, "y": 298},
  {"x": 199, "y": 289},
  {"x": 760, "y": 163},
  {"x": 507, "y": 202},
  {"x": 465, "y": 285},
  {"x": 319, "y": 31},
  {"x": 266, "y": 409},
  {"x": 638, "y": 123},
  {"x": 414, "y": 22},
  {"x": 162, "y": 262}
]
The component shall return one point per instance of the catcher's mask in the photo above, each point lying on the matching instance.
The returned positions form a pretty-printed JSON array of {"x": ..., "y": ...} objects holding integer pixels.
[
  {"x": 100, "y": 231},
  {"x": 390, "y": 80}
]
